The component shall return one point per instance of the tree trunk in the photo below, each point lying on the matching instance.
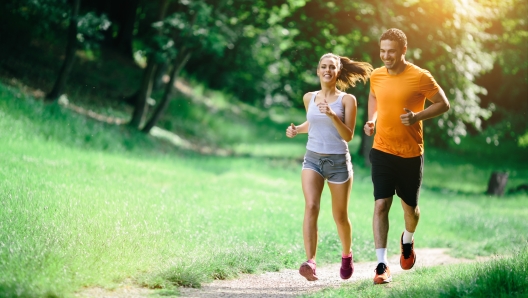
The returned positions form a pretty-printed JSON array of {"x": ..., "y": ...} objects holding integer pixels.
[
  {"x": 497, "y": 183},
  {"x": 366, "y": 145},
  {"x": 140, "y": 97},
  {"x": 70, "y": 55},
  {"x": 127, "y": 19},
  {"x": 158, "y": 75},
  {"x": 160, "y": 109},
  {"x": 366, "y": 141}
]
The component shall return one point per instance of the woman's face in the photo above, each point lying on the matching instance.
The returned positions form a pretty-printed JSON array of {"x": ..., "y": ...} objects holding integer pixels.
[{"x": 328, "y": 70}]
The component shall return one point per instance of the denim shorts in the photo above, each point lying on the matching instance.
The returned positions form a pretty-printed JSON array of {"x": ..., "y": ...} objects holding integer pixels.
[{"x": 336, "y": 168}]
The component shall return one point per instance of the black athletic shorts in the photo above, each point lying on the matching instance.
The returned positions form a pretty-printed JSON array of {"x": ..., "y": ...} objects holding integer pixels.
[{"x": 391, "y": 173}]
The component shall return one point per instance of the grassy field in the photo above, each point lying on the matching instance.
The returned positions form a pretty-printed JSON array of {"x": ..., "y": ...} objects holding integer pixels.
[{"x": 86, "y": 204}]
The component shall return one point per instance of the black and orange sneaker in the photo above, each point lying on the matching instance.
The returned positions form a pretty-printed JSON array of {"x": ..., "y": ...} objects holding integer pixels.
[
  {"x": 308, "y": 271},
  {"x": 408, "y": 256},
  {"x": 383, "y": 274},
  {"x": 347, "y": 267}
]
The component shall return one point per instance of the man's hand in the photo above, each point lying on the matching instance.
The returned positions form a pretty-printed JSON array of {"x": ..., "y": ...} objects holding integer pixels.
[
  {"x": 291, "y": 131},
  {"x": 369, "y": 128},
  {"x": 409, "y": 118}
]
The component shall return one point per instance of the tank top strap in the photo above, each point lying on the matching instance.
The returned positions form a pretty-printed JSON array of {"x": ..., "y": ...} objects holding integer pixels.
[
  {"x": 340, "y": 97},
  {"x": 313, "y": 96}
]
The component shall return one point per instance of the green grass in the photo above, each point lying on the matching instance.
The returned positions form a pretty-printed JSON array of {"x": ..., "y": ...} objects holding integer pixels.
[
  {"x": 87, "y": 204},
  {"x": 500, "y": 277}
]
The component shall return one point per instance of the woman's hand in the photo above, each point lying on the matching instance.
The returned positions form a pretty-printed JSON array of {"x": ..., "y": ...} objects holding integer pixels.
[
  {"x": 325, "y": 108},
  {"x": 291, "y": 131}
]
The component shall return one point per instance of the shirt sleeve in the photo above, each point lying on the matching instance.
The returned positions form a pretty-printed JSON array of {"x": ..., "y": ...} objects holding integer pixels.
[
  {"x": 371, "y": 83},
  {"x": 428, "y": 85}
]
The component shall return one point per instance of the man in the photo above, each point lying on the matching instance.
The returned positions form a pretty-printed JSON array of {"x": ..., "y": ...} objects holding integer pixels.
[{"x": 398, "y": 91}]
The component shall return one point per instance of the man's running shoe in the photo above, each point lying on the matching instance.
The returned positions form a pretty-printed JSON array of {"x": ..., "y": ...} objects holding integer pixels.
[
  {"x": 347, "y": 267},
  {"x": 383, "y": 274},
  {"x": 408, "y": 256},
  {"x": 308, "y": 271}
]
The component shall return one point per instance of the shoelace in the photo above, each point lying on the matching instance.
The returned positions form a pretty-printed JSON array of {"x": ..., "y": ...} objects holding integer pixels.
[
  {"x": 407, "y": 247},
  {"x": 381, "y": 268},
  {"x": 323, "y": 160}
]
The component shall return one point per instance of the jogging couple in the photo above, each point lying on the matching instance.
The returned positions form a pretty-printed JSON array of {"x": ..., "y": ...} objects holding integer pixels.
[{"x": 398, "y": 91}]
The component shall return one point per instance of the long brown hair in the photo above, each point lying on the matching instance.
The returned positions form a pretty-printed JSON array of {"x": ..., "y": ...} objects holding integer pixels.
[{"x": 350, "y": 71}]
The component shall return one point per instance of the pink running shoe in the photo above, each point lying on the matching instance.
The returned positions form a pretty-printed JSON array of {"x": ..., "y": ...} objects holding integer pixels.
[
  {"x": 347, "y": 267},
  {"x": 308, "y": 271}
]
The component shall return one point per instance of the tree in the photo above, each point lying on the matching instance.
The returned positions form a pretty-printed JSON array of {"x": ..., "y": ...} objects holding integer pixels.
[
  {"x": 194, "y": 28},
  {"x": 47, "y": 16},
  {"x": 154, "y": 54},
  {"x": 71, "y": 46},
  {"x": 206, "y": 29}
]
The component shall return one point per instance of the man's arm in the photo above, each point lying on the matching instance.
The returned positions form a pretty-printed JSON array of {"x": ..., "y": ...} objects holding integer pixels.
[
  {"x": 372, "y": 114},
  {"x": 439, "y": 105}
]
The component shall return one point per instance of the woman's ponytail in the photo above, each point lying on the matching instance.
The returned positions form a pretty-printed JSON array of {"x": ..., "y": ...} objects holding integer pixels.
[{"x": 351, "y": 72}]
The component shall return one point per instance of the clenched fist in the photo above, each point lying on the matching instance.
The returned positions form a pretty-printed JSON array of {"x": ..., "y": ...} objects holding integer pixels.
[
  {"x": 409, "y": 118},
  {"x": 369, "y": 128},
  {"x": 291, "y": 131}
]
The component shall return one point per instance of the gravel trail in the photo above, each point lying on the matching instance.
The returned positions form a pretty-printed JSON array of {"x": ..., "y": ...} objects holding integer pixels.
[{"x": 286, "y": 283}]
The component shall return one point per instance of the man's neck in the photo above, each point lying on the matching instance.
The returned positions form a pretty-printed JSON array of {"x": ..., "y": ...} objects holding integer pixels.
[{"x": 399, "y": 69}]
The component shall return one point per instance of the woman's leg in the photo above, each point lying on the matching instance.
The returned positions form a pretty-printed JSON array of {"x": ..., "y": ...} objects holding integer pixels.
[
  {"x": 340, "y": 199},
  {"x": 312, "y": 185}
]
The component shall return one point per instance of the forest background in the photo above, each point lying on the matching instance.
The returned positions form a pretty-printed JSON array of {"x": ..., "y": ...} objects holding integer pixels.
[{"x": 264, "y": 53}]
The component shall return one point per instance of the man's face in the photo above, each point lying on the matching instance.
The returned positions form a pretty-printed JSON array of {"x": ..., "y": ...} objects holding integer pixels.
[{"x": 391, "y": 54}]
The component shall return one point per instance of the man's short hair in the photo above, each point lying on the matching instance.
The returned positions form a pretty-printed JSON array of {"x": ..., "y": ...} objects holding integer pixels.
[{"x": 394, "y": 34}]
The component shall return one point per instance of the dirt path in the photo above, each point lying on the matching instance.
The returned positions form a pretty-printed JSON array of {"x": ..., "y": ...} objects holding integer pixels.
[{"x": 286, "y": 283}]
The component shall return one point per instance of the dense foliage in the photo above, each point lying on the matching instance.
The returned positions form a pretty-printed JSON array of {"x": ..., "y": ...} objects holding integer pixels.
[{"x": 265, "y": 52}]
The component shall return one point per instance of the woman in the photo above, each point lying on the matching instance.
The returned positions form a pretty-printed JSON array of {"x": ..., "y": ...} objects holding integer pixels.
[{"x": 331, "y": 117}]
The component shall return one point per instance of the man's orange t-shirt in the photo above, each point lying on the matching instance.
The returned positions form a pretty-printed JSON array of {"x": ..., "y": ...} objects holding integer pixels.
[{"x": 409, "y": 90}]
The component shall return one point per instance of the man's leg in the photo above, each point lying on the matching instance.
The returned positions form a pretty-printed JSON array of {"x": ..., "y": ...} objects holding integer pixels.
[
  {"x": 380, "y": 227},
  {"x": 408, "y": 189},
  {"x": 411, "y": 216},
  {"x": 380, "y": 221}
]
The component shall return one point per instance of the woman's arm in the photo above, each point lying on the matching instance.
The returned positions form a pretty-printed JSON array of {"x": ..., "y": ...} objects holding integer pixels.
[{"x": 293, "y": 130}]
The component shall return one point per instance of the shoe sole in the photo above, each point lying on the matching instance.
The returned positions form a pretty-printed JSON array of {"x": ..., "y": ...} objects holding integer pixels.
[
  {"x": 346, "y": 276},
  {"x": 411, "y": 265},
  {"x": 386, "y": 281},
  {"x": 307, "y": 272}
]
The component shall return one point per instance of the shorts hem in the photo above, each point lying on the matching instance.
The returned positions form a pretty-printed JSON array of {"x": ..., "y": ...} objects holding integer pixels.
[
  {"x": 342, "y": 182},
  {"x": 314, "y": 171},
  {"x": 338, "y": 182}
]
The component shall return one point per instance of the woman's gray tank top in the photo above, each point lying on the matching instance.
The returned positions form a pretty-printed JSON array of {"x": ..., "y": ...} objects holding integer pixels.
[{"x": 322, "y": 135}]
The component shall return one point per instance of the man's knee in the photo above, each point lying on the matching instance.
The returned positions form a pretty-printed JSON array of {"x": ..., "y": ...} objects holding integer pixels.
[
  {"x": 412, "y": 211},
  {"x": 382, "y": 206}
]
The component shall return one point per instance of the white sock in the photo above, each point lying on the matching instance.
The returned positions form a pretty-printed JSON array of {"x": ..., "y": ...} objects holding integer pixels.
[
  {"x": 381, "y": 253},
  {"x": 407, "y": 237}
]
